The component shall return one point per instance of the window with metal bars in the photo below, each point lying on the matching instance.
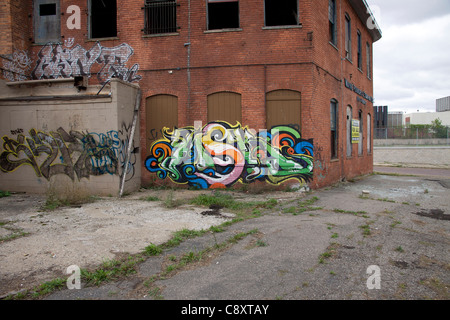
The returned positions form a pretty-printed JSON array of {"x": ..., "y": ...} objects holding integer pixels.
[{"x": 160, "y": 16}]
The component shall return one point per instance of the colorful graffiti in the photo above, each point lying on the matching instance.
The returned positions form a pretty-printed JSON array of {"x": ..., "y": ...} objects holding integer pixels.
[
  {"x": 74, "y": 154},
  {"x": 218, "y": 154}
]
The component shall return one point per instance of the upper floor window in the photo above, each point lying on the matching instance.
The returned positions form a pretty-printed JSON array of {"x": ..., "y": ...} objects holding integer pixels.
[
  {"x": 103, "y": 18},
  {"x": 223, "y": 14},
  {"x": 369, "y": 75},
  {"x": 332, "y": 21},
  {"x": 281, "y": 13},
  {"x": 359, "y": 50},
  {"x": 348, "y": 37},
  {"x": 160, "y": 16}
]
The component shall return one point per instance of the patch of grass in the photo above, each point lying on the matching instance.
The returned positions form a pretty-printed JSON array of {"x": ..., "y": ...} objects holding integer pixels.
[
  {"x": 153, "y": 250},
  {"x": 16, "y": 232},
  {"x": 151, "y": 198},
  {"x": 244, "y": 209},
  {"x": 399, "y": 249},
  {"x": 386, "y": 200},
  {"x": 4, "y": 194},
  {"x": 170, "y": 202},
  {"x": 49, "y": 286},
  {"x": 330, "y": 252},
  {"x": 356, "y": 213},
  {"x": 302, "y": 206},
  {"x": 155, "y": 293},
  {"x": 366, "y": 230},
  {"x": 395, "y": 223},
  {"x": 111, "y": 270},
  {"x": 261, "y": 243}
]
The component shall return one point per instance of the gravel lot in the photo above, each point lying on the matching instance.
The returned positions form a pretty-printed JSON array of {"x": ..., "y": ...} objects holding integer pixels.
[{"x": 400, "y": 224}]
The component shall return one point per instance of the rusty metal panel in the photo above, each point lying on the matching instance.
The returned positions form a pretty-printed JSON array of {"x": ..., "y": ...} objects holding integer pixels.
[
  {"x": 283, "y": 107},
  {"x": 47, "y": 21},
  {"x": 161, "y": 111},
  {"x": 225, "y": 106}
]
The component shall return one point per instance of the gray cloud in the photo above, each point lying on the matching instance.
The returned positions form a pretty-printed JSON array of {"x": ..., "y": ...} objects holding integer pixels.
[{"x": 412, "y": 60}]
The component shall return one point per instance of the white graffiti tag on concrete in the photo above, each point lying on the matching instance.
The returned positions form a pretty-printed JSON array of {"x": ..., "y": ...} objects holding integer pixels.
[{"x": 54, "y": 61}]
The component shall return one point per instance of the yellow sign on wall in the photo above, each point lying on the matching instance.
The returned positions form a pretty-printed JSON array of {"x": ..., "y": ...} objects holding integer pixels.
[{"x": 355, "y": 131}]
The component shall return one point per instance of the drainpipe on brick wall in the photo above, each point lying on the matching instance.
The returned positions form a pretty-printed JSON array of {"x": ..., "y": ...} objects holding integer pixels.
[
  {"x": 188, "y": 68},
  {"x": 130, "y": 141}
]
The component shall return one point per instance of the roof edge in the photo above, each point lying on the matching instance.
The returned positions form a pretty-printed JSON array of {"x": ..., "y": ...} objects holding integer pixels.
[{"x": 365, "y": 14}]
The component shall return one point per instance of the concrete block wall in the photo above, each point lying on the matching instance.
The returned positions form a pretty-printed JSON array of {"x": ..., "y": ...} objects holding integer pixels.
[{"x": 77, "y": 139}]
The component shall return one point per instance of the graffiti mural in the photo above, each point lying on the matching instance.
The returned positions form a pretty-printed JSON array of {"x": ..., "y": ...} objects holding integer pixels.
[
  {"x": 54, "y": 61},
  {"x": 218, "y": 155},
  {"x": 75, "y": 154}
]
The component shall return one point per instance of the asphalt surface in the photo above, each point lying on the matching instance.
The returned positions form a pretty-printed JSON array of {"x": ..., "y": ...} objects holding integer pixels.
[{"x": 380, "y": 237}]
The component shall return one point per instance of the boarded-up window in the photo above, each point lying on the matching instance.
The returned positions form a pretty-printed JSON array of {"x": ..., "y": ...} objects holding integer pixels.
[
  {"x": 47, "y": 21},
  {"x": 224, "y": 106},
  {"x": 349, "y": 131},
  {"x": 361, "y": 133},
  {"x": 369, "y": 133},
  {"x": 283, "y": 108},
  {"x": 161, "y": 111}
]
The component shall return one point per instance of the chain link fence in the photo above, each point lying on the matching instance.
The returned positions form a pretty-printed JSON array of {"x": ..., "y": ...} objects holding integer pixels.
[{"x": 417, "y": 134}]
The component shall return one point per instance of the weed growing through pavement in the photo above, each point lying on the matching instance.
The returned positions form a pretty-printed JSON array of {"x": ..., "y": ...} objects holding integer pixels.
[{"x": 303, "y": 206}]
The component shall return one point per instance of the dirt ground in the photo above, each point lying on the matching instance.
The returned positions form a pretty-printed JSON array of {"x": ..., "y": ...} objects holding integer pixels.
[
  {"x": 38, "y": 245},
  {"x": 407, "y": 218}
]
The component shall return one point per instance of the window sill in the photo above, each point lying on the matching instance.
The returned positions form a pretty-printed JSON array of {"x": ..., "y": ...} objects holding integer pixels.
[
  {"x": 34, "y": 44},
  {"x": 333, "y": 45},
  {"x": 299, "y": 26},
  {"x": 334, "y": 160},
  {"x": 222, "y": 30},
  {"x": 102, "y": 39},
  {"x": 156, "y": 35}
]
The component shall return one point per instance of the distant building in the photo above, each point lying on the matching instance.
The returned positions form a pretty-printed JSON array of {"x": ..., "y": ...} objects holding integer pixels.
[
  {"x": 443, "y": 104},
  {"x": 395, "y": 119},
  {"x": 426, "y": 118}
]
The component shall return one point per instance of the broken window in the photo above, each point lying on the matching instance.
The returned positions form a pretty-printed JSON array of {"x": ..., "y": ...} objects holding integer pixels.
[
  {"x": 223, "y": 14},
  {"x": 103, "y": 18},
  {"x": 160, "y": 16},
  {"x": 281, "y": 13},
  {"x": 332, "y": 21},
  {"x": 47, "y": 21}
]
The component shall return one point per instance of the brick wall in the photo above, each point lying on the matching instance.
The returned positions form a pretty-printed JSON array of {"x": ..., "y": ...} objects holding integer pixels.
[{"x": 252, "y": 61}]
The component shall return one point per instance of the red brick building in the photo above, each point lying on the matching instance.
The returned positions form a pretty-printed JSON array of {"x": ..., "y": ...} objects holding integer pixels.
[{"x": 305, "y": 64}]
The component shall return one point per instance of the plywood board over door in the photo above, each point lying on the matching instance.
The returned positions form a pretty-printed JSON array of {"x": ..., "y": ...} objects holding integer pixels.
[
  {"x": 161, "y": 111},
  {"x": 283, "y": 107}
]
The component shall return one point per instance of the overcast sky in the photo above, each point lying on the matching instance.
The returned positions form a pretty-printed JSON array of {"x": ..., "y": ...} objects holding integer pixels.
[{"x": 412, "y": 59}]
